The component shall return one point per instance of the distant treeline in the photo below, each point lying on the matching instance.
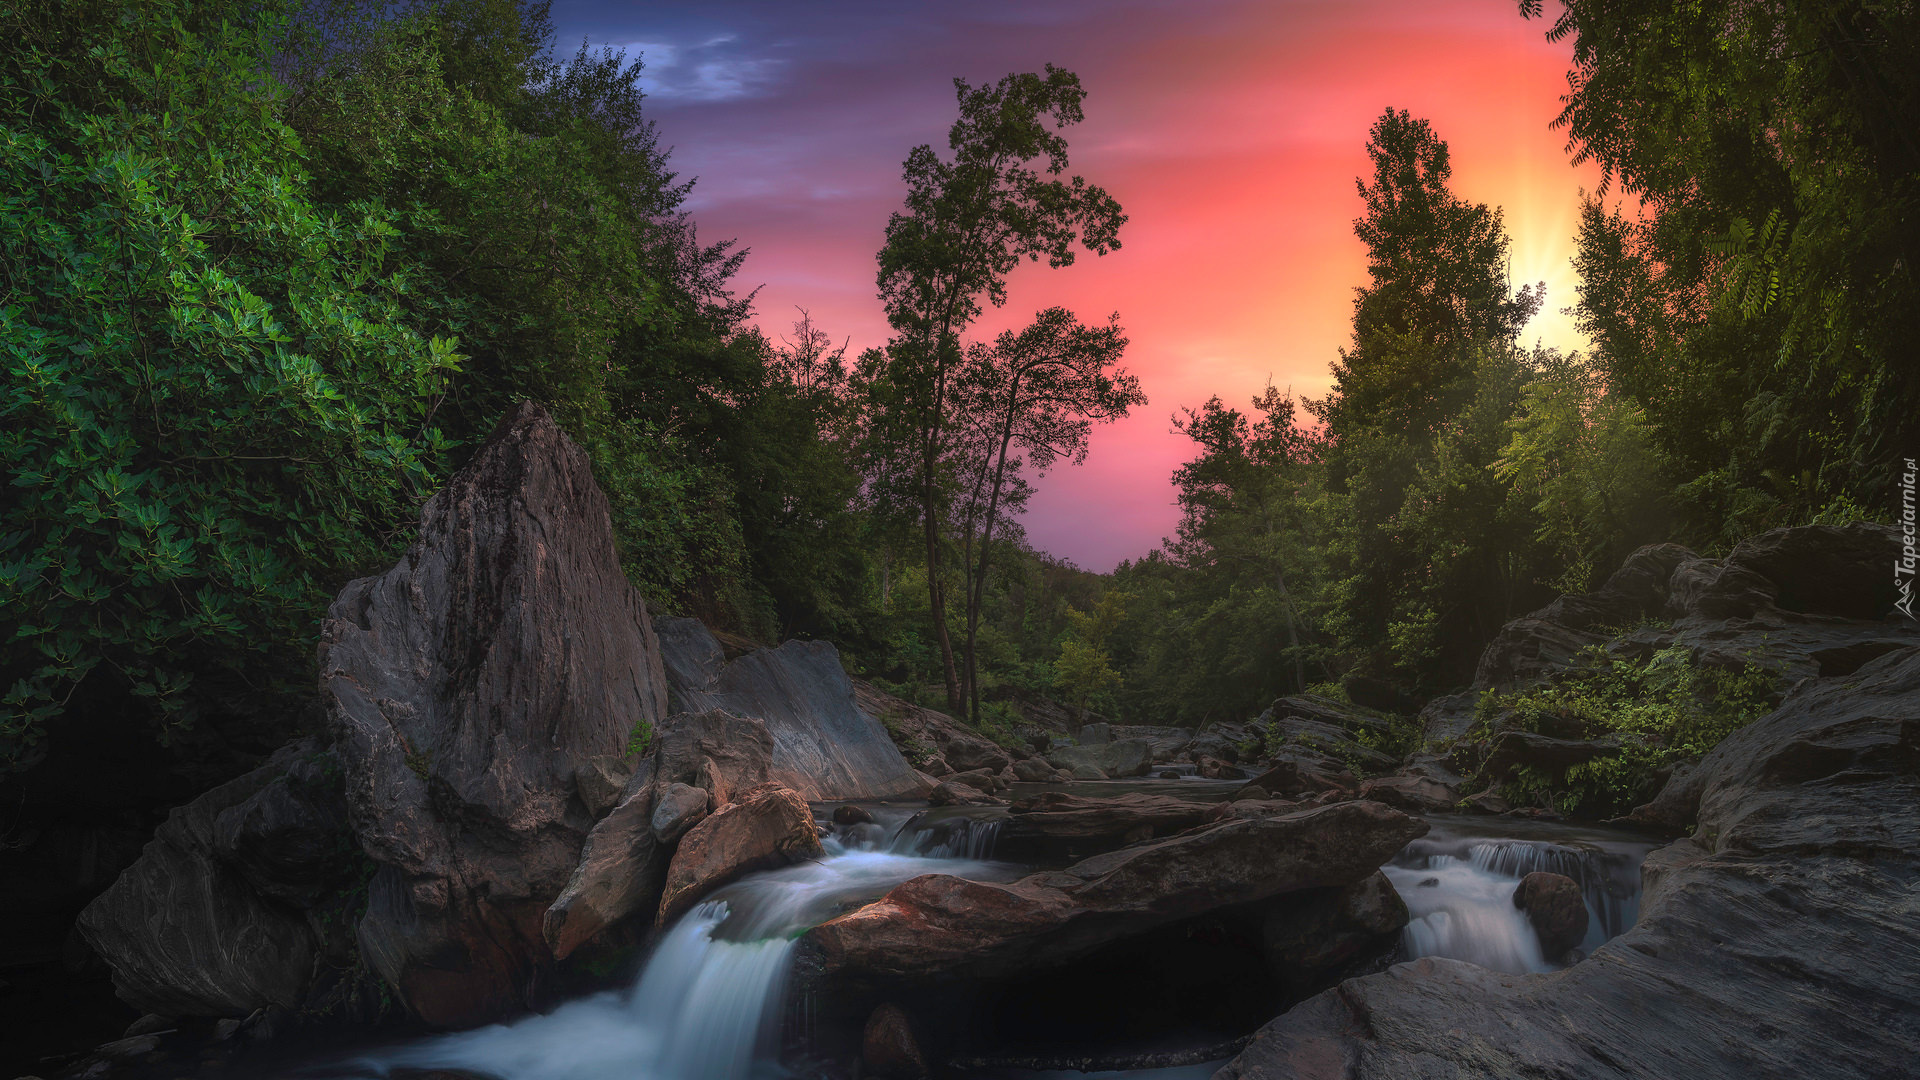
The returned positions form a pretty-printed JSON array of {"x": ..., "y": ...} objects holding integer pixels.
[{"x": 270, "y": 275}]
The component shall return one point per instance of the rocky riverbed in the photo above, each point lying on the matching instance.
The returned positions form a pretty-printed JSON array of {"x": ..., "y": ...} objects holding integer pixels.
[{"x": 569, "y": 837}]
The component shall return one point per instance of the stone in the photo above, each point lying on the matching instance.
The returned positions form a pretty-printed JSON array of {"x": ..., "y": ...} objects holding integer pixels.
[
  {"x": 1096, "y": 734},
  {"x": 825, "y": 746},
  {"x": 601, "y": 781},
  {"x": 1117, "y": 759},
  {"x": 1085, "y": 771},
  {"x": 150, "y": 1024},
  {"x": 1213, "y": 768},
  {"x": 1167, "y": 774},
  {"x": 768, "y": 826},
  {"x": 467, "y": 689},
  {"x": 678, "y": 808},
  {"x": 1514, "y": 749},
  {"x": 1306, "y": 936},
  {"x": 1488, "y": 802},
  {"x": 1556, "y": 909},
  {"x": 1778, "y": 940},
  {"x": 129, "y": 1048},
  {"x": 849, "y": 814},
  {"x": 977, "y": 778},
  {"x": 1251, "y": 808},
  {"x": 1674, "y": 809},
  {"x": 1052, "y": 824},
  {"x": 1299, "y": 774},
  {"x": 949, "y": 793},
  {"x": 1033, "y": 771},
  {"x": 1415, "y": 794},
  {"x": 1167, "y": 742},
  {"x": 938, "y": 927},
  {"x": 210, "y": 920},
  {"x": 889, "y": 1048}
]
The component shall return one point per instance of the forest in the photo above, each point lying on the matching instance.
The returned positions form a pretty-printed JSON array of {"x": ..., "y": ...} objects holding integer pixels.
[
  {"x": 270, "y": 279},
  {"x": 298, "y": 298}
]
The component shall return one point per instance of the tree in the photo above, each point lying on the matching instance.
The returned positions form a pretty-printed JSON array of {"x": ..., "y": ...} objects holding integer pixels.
[
  {"x": 1760, "y": 306},
  {"x": 216, "y": 407},
  {"x": 967, "y": 223},
  {"x": 1038, "y": 392}
]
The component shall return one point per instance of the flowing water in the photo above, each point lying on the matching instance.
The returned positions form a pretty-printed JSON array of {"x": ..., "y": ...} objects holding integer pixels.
[
  {"x": 1458, "y": 882},
  {"x": 708, "y": 1004}
]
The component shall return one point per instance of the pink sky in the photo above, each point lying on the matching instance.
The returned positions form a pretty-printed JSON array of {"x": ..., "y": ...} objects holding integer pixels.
[{"x": 1231, "y": 132}]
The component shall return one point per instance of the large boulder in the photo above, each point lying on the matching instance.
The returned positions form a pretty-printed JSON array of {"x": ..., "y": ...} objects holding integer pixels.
[
  {"x": 700, "y": 761},
  {"x": 1116, "y": 759},
  {"x": 213, "y": 918},
  {"x": 1779, "y": 940},
  {"x": 468, "y": 689},
  {"x": 1305, "y": 936},
  {"x": 939, "y": 927},
  {"x": 767, "y": 826},
  {"x": 824, "y": 746},
  {"x": 1046, "y": 826}
]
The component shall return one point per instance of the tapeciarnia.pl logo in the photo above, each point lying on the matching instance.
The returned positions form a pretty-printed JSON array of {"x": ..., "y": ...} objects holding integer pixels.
[{"x": 1904, "y": 567}]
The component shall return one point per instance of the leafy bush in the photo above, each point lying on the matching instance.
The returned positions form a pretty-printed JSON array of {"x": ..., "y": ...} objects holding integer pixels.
[
  {"x": 1666, "y": 708},
  {"x": 214, "y": 409}
]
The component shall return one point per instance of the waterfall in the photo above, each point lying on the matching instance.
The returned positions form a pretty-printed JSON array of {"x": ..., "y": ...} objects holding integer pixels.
[
  {"x": 708, "y": 1004},
  {"x": 1459, "y": 894}
]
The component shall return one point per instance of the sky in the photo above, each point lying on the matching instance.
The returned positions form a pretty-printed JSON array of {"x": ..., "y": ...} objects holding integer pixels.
[{"x": 1230, "y": 131}]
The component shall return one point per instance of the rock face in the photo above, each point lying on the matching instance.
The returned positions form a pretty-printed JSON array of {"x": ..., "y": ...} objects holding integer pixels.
[
  {"x": 1119, "y": 758},
  {"x": 1309, "y": 934},
  {"x": 1555, "y": 908},
  {"x": 942, "y": 927},
  {"x": 824, "y": 746},
  {"x": 212, "y": 919},
  {"x": 1780, "y": 940},
  {"x": 468, "y": 689},
  {"x": 1053, "y": 824},
  {"x": 700, "y": 761},
  {"x": 765, "y": 827}
]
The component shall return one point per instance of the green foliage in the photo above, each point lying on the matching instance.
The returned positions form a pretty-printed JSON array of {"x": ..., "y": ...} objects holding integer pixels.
[
  {"x": 216, "y": 405},
  {"x": 1665, "y": 709},
  {"x": 1760, "y": 305},
  {"x": 640, "y": 739}
]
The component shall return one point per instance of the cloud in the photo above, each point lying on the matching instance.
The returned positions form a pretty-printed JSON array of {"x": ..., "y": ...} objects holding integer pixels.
[{"x": 703, "y": 71}]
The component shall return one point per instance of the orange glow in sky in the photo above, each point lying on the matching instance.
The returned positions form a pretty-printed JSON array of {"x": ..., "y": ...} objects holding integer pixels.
[{"x": 1232, "y": 133}]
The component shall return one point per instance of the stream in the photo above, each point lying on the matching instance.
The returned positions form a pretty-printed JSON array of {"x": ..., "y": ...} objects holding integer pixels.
[{"x": 711, "y": 1002}]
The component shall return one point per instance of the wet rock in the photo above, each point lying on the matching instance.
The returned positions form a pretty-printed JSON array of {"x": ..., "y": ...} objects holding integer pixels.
[
  {"x": 678, "y": 808},
  {"x": 1167, "y": 774},
  {"x": 1213, "y": 768},
  {"x": 978, "y": 778},
  {"x": 1084, "y": 771},
  {"x": 1299, "y": 774},
  {"x": 1307, "y": 936},
  {"x": 952, "y": 794},
  {"x": 939, "y": 926},
  {"x": 468, "y": 688},
  {"x": 1052, "y": 822},
  {"x": 210, "y": 920},
  {"x": 889, "y": 1047},
  {"x": 621, "y": 869},
  {"x": 1033, "y": 771},
  {"x": 1121, "y": 758},
  {"x": 1415, "y": 794},
  {"x": 1677, "y": 805},
  {"x": 849, "y": 814},
  {"x": 1555, "y": 908},
  {"x": 768, "y": 826},
  {"x": 1748, "y": 958},
  {"x": 825, "y": 746}
]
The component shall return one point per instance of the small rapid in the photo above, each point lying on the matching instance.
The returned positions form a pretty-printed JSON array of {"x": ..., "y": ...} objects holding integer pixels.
[
  {"x": 1459, "y": 887},
  {"x": 708, "y": 1003}
]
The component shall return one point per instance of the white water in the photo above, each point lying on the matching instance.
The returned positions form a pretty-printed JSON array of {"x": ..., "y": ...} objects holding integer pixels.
[
  {"x": 1459, "y": 895},
  {"x": 707, "y": 1005}
]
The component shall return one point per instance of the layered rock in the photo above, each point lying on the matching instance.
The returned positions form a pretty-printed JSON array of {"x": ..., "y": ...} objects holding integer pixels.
[
  {"x": 701, "y": 762},
  {"x": 1117, "y": 758},
  {"x": 220, "y": 914},
  {"x": 1053, "y": 824},
  {"x": 469, "y": 689},
  {"x": 1779, "y": 940},
  {"x": 764, "y": 827},
  {"x": 943, "y": 927},
  {"x": 824, "y": 746}
]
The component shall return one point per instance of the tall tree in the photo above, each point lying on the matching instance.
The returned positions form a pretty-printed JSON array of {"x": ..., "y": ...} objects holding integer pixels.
[
  {"x": 1032, "y": 399},
  {"x": 967, "y": 223},
  {"x": 1761, "y": 305}
]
